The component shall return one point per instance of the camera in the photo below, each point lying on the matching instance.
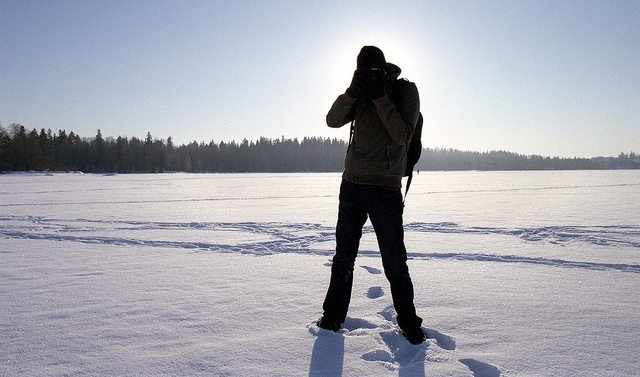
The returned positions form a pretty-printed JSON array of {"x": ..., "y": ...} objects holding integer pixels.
[{"x": 375, "y": 75}]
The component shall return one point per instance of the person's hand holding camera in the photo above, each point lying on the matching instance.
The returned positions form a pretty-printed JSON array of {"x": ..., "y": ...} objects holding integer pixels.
[{"x": 358, "y": 87}]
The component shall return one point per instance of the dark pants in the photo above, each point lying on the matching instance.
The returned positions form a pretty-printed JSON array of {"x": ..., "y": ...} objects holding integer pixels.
[{"x": 384, "y": 208}]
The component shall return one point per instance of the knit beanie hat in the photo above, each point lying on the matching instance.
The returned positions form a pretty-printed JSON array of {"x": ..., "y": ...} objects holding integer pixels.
[{"x": 371, "y": 56}]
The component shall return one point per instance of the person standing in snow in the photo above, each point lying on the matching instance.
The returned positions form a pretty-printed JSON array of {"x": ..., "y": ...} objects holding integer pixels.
[{"x": 384, "y": 112}]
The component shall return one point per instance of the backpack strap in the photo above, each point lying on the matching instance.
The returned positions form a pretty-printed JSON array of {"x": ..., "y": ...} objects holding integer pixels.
[
  {"x": 406, "y": 189},
  {"x": 352, "y": 131}
]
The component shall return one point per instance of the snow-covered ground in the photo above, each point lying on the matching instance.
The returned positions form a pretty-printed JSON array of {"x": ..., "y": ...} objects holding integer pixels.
[{"x": 516, "y": 274}]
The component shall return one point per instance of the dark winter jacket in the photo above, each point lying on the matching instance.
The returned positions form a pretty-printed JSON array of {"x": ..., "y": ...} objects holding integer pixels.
[{"x": 377, "y": 154}]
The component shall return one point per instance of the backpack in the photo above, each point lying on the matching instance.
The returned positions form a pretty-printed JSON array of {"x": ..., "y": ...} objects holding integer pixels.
[
  {"x": 415, "y": 144},
  {"x": 413, "y": 153}
]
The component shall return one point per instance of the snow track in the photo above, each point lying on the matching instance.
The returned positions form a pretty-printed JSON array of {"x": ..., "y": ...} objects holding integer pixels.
[{"x": 273, "y": 238}]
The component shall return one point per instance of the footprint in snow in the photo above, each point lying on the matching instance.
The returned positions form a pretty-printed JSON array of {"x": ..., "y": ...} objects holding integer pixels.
[
  {"x": 443, "y": 341},
  {"x": 372, "y": 270},
  {"x": 396, "y": 353},
  {"x": 481, "y": 369},
  {"x": 389, "y": 313},
  {"x": 378, "y": 355},
  {"x": 375, "y": 292},
  {"x": 353, "y": 324},
  {"x": 350, "y": 327}
]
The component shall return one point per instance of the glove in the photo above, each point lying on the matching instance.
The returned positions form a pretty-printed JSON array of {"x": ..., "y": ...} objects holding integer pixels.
[
  {"x": 376, "y": 83},
  {"x": 358, "y": 87}
]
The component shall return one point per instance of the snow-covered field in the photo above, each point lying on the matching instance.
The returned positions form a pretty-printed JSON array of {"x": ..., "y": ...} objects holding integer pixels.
[{"x": 516, "y": 274}]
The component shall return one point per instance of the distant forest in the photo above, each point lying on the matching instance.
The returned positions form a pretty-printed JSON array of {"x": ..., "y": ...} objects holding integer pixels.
[{"x": 22, "y": 150}]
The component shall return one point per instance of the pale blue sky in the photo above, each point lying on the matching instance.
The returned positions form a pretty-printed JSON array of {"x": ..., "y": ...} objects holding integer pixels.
[{"x": 555, "y": 78}]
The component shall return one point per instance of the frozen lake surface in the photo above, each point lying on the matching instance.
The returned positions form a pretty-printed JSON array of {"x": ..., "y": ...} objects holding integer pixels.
[{"x": 516, "y": 274}]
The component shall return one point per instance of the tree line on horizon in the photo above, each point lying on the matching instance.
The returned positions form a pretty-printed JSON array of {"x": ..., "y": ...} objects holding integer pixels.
[{"x": 22, "y": 150}]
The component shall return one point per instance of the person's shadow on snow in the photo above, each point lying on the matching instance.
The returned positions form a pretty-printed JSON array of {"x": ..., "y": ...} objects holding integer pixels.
[{"x": 327, "y": 357}]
